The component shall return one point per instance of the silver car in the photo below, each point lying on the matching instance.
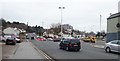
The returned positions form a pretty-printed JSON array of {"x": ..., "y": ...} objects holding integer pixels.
[{"x": 113, "y": 46}]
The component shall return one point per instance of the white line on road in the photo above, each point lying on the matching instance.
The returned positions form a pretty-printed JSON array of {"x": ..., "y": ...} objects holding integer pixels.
[{"x": 41, "y": 52}]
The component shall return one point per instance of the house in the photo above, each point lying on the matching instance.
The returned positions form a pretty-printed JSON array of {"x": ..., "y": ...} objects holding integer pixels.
[
  {"x": 113, "y": 27},
  {"x": 10, "y": 30}
]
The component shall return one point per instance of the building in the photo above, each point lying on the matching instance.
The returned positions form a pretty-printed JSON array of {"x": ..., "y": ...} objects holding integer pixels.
[
  {"x": 113, "y": 27},
  {"x": 67, "y": 26},
  {"x": 10, "y": 30}
]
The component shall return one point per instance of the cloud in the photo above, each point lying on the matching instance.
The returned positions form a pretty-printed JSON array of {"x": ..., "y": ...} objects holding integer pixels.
[{"x": 77, "y": 12}]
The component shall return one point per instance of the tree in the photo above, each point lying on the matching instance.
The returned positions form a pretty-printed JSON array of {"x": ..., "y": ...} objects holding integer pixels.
[
  {"x": 3, "y": 23},
  {"x": 56, "y": 28},
  {"x": 55, "y": 25},
  {"x": 98, "y": 34},
  {"x": 8, "y": 22}
]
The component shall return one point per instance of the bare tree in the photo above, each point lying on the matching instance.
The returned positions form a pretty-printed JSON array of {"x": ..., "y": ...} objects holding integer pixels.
[{"x": 55, "y": 25}]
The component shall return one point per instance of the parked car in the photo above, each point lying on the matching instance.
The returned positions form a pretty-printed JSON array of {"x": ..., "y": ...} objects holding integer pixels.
[
  {"x": 49, "y": 39},
  {"x": 41, "y": 38},
  {"x": 10, "y": 41},
  {"x": 3, "y": 39},
  {"x": 70, "y": 44},
  {"x": 113, "y": 46},
  {"x": 56, "y": 39},
  {"x": 18, "y": 39}
]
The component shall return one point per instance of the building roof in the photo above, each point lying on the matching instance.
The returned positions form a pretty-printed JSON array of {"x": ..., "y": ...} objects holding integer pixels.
[{"x": 114, "y": 16}]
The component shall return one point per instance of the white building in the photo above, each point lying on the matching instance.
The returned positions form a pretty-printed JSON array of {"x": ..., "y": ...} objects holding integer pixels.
[{"x": 10, "y": 30}]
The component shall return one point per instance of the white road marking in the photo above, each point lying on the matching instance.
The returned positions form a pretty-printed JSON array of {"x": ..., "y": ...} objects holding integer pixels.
[{"x": 41, "y": 52}]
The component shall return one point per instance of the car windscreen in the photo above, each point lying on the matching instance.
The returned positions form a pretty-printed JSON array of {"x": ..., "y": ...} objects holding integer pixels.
[
  {"x": 66, "y": 42},
  {"x": 74, "y": 40},
  {"x": 11, "y": 39}
]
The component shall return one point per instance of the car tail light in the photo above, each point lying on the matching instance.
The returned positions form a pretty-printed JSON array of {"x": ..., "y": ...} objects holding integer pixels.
[
  {"x": 66, "y": 44},
  {"x": 70, "y": 44}
]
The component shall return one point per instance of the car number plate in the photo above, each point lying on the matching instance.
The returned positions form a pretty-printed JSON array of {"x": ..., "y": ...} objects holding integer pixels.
[{"x": 75, "y": 45}]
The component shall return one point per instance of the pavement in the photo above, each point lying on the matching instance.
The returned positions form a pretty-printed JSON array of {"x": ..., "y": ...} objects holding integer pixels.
[
  {"x": 99, "y": 44},
  {"x": 6, "y": 50},
  {"x": 26, "y": 51},
  {"x": 0, "y": 51}
]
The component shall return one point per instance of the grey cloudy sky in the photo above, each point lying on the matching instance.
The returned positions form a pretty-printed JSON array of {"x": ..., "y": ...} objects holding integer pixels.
[{"x": 81, "y": 14}]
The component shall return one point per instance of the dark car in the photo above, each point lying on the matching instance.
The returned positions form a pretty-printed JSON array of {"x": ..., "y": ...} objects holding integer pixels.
[
  {"x": 10, "y": 41},
  {"x": 70, "y": 44}
]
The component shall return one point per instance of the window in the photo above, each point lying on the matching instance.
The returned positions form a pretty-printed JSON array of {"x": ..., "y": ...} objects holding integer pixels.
[
  {"x": 66, "y": 42},
  {"x": 114, "y": 42},
  {"x": 118, "y": 42}
]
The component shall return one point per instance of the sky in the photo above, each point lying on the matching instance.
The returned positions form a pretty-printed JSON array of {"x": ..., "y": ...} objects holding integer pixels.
[{"x": 83, "y": 15}]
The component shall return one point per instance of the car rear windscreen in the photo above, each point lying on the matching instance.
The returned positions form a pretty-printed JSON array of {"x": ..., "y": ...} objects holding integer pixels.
[{"x": 75, "y": 40}]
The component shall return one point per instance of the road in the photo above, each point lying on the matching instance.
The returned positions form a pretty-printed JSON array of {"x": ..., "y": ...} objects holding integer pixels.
[{"x": 87, "y": 51}]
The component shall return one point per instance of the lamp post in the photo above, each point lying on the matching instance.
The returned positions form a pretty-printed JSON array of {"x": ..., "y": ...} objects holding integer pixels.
[
  {"x": 100, "y": 22},
  {"x": 61, "y": 8}
]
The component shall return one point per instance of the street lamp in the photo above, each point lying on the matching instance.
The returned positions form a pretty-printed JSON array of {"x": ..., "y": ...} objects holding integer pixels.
[{"x": 61, "y": 8}]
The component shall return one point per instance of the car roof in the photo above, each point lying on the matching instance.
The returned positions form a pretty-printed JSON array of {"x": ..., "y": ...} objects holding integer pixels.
[
  {"x": 10, "y": 38},
  {"x": 68, "y": 37},
  {"x": 114, "y": 40}
]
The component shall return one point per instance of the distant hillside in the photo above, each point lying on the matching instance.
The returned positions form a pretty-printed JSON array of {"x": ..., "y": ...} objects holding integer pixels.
[{"x": 30, "y": 29}]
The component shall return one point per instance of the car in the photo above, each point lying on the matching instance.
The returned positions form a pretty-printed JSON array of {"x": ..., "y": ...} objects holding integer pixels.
[
  {"x": 89, "y": 39},
  {"x": 10, "y": 41},
  {"x": 56, "y": 39},
  {"x": 113, "y": 46},
  {"x": 18, "y": 40},
  {"x": 49, "y": 39},
  {"x": 3, "y": 39},
  {"x": 70, "y": 44},
  {"x": 40, "y": 38}
]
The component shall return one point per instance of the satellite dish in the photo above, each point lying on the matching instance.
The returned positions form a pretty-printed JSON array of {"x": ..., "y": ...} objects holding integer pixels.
[{"x": 118, "y": 25}]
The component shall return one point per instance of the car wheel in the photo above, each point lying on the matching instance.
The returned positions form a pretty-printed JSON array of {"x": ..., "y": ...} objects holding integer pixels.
[
  {"x": 108, "y": 50},
  {"x": 78, "y": 50},
  {"x": 93, "y": 41},
  {"x": 18, "y": 41},
  {"x": 67, "y": 49},
  {"x": 14, "y": 43},
  {"x": 60, "y": 47},
  {"x": 6, "y": 43}
]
